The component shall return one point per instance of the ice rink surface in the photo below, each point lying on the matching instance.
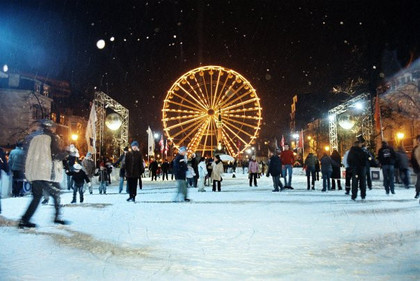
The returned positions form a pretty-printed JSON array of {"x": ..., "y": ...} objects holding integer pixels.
[{"x": 241, "y": 233}]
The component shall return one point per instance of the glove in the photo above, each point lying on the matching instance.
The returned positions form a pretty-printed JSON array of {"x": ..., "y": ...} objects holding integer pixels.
[
  {"x": 268, "y": 175},
  {"x": 89, "y": 184}
]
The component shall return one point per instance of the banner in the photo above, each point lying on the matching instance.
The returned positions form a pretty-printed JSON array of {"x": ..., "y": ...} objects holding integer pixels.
[
  {"x": 150, "y": 142},
  {"x": 161, "y": 144},
  {"x": 300, "y": 143},
  {"x": 281, "y": 143},
  {"x": 90, "y": 134}
]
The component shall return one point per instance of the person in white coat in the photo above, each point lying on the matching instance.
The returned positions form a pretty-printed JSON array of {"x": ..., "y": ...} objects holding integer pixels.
[{"x": 202, "y": 173}]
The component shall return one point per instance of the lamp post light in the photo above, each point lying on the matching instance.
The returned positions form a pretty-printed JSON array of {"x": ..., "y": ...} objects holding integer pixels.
[
  {"x": 400, "y": 138},
  {"x": 74, "y": 137}
]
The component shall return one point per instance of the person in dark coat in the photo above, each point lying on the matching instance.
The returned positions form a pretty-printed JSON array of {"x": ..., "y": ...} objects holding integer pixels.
[
  {"x": 133, "y": 169},
  {"x": 165, "y": 168},
  {"x": 180, "y": 171},
  {"x": 403, "y": 166},
  {"x": 326, "y": 169},
  {"x": 79, "y": 178},
  {"x": 275, "y": 170},
  {"x": 370, "y": 159},
  {"x": 194, "y": 163},
  {"x": 17, "y": 166},
  {"x": 357, "y": 161},
  {"x": 153, "y": 167},
  {"x": 336, "y": 173},
  {"x": 71, "y": 159},
  {"x": 310, "y": 167},
  {"x": 387, "y": 158}
]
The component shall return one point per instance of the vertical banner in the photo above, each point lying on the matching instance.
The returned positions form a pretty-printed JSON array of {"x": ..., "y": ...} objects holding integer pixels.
[
  {"x": 161, "y": 144},
  {"x": 150, "y": 142},
  {"x": 90, "y": 134}
]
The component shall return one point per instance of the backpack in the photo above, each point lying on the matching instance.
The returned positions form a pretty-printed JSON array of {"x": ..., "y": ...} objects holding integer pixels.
[{"x": 414, "y": 162}]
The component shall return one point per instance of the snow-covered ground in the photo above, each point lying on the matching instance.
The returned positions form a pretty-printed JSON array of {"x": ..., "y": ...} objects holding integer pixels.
[{"x": 241, "y": 233}]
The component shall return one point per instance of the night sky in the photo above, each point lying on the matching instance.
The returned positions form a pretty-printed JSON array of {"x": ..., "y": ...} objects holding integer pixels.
[{"x": 282, "y": 47}]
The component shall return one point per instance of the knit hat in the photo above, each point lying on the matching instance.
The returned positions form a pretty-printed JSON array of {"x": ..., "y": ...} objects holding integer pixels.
[
  {"x": 89, "y": 154},
  {"x": 135, "y": 143},
  {"x": 182, "y": 149}
]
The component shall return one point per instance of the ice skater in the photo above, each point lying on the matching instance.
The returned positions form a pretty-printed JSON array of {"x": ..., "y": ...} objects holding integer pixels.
[{"x": 42, "y": 167}]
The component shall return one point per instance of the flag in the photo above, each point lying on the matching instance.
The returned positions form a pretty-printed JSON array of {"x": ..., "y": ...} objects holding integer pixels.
[
  {"x": 161, "y": 144},
  {"x": 377, "y": 116},
  {"x": 300, "y": 144},
  {"x": 90, "y": 134},
  {"x": 150, "y": 142},
  {"x": 166, "y": 148},
  {"x": 281, "y": 142}
]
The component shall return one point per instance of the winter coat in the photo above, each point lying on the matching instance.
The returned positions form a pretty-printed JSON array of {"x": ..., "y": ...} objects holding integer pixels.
[
  {"x": 79, "y": 177},
  {"x": 274, "y": 166},
  {"x": 415, "y": 159},
  {"x": 311, "y": 161},
  {"x": 165, "y": 166},
  {"x": 386, "y": 155},
  {"x": 202, "y": 169},
  {"x": 402, "y": 160},
  {"x": 194, "y": 164},
  {"x": 287, "y": 157},
  {"x": 43, "y": 148},
  {"x": 356, "y": 158},
  {"x": 180, "y": 167},
  {"x": 217, "y": 172},
  {"x": 17, "y": 159},
  {"x": 190, "y": 172},
  {"x": 253, "y": 167},
  {"x": 103, "y": 175},
  {"x": 153, "y": 166},
  {"x": 326, "y": 164},
  {"x": 89, "y": 167},
  {"x": 336, "y": 166},
  {"x": 3, "y": 162},
  {"x": 134, "y": 164}
]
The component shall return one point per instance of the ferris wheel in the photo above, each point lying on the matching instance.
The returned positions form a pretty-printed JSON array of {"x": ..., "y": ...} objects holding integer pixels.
[{"x": 209, "y": 108}]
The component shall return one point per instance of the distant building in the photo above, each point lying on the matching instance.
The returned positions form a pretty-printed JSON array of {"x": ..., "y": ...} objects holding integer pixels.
[
  {"x": 399, "y": 101},
  {"x": 24, "y": 99}
]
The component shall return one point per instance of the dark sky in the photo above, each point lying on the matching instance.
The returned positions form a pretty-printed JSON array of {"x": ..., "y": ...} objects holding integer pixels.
[{"x": 282, "y": 47}]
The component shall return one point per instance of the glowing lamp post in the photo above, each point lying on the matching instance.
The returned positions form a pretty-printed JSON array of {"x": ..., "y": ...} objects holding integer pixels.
[
  {"x": 74, "y": 137},
  {"x": 400, "y": 137}
]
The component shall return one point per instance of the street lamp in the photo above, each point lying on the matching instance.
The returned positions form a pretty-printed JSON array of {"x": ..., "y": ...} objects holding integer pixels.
[
  {"x": 74, "y": 137},
  {"x": 400, "y": 137}
]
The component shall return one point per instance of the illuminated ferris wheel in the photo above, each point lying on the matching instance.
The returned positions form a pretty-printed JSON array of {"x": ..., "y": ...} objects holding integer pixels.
[{"x": 212, "y": 107}]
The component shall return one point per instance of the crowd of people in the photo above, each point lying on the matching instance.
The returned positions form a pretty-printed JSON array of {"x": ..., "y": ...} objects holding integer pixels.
[{"x": 42, "y": 160}]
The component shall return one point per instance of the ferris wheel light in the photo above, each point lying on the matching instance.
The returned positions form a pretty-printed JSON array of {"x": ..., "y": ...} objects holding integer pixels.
[{"x": 187, "y": 113}]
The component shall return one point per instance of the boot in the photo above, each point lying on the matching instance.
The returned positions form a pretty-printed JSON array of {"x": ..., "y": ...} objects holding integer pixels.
[
  {"x": 59, "y": 221},
  {"x": 417, "y": 195},
  {"x": 81, "y": 199},
  {"x": 73, "y": 201},
  {"x": 23, "y": 224}
]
